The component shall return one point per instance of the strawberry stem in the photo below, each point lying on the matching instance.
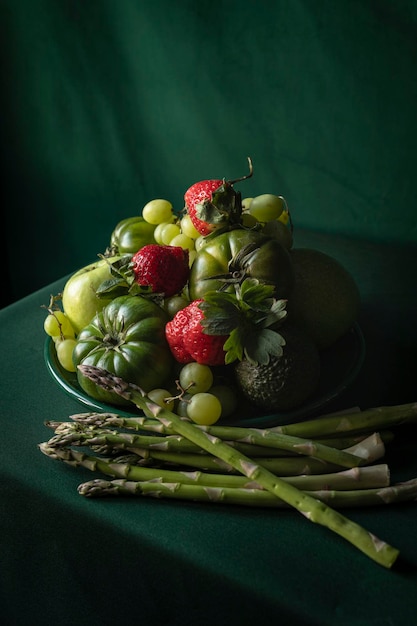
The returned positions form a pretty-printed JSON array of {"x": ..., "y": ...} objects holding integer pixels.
[{"x": 238, "y": 180}]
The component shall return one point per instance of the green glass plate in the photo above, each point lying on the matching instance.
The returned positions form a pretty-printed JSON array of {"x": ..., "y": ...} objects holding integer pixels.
[{"x": 340, "y": 366}]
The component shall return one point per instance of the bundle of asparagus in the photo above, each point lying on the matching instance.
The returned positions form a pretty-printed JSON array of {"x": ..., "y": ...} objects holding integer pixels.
[{"x": 305, "y": 465}]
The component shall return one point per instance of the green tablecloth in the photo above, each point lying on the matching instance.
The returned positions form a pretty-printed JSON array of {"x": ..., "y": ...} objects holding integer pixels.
[{"x": 69, "y": 560}]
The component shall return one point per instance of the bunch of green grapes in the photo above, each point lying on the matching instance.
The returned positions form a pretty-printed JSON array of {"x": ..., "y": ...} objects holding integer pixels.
[
  {"x": 59, "y": 328},
  {"x": 268, "y": 211},
  {"x": 170, "y": 229},
  {"x": 200, "y": 400}
]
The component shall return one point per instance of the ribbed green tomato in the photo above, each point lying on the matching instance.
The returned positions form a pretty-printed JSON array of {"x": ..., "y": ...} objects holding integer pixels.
[
  {"x": 127, "y": 338},
  {"x": 265, "y": 259},
  {"x": 131, "y": 234}
]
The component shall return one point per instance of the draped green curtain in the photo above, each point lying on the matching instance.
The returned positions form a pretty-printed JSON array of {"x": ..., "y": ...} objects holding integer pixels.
[{"x": 106, "y": 105}]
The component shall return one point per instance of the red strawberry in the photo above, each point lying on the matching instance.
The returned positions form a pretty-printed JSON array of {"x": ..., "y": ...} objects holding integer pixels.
[
  {"x": 214, "y": 203},
  {"x": 187, "y": 340},
  {"x": 196, "y": 197},
  {"x": 163, "y": 268}
]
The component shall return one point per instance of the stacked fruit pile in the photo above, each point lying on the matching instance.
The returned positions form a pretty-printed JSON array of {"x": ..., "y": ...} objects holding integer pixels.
[
  {"x": 185, "y": 315},
  {"x": 203, "y": 308}
]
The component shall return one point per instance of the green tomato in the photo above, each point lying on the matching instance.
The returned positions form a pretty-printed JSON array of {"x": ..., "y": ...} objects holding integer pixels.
[
  {"x": 126, "y": 338},
  {"x": 268, "y": 261},
  {"x": 131, "y": 234}
]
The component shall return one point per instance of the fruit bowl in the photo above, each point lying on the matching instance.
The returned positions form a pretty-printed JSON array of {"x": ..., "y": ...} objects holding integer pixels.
[{"x": 340, "y": 365}]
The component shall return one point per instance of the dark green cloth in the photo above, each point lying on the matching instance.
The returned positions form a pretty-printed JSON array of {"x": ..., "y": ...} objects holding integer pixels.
[
  {"x": 69, "y": 560},
  {"x": 107, "y": 105}
]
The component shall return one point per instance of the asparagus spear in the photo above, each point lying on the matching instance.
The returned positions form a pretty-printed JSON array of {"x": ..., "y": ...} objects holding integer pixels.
[
  {"x": 228, "y": 433},
  {"x": 176, "y": 441},
  {"x": 355, "y": 478},
  {"x": 370, "y": 450},
  {"x": 68, "y": 433},
  {"x": 400, "y": 492},
  {"x": 313, "y": 509},
  {"x": 364, "y": 421},
  {"x": 278, "y": 465},
  {"x": 181, "y": 452}
]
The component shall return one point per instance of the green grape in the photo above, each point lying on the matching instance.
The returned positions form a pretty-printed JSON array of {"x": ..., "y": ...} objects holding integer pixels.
[
  {"x": 227, "y": 397},
  {"x": 267, "y": 207},
  {"x": 160, "y": 397},
  {"x": 57, "y": 338},
  {"x": 188, "y": 228},
  {"x": 284, "y": 217},
  {"x": 249, "y": 220},
  {"x": 183, "y": 241},
  {"x": 57, "y": 324},
  {"x": 246, "y": 202},
  {"x": 157, "y": 233},
  {"x": 64, "y": 350},
  {"x": 168, "y": 232},
  {"x": 195, "y": 377},
  {"x": 204, "y": 409},
  {"x": 157, "y": 211},
  {"x": 174, "y": 304},
  {"x": 182, "y": 405}
]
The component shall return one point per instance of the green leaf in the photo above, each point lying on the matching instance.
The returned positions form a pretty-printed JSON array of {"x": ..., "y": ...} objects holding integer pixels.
[
  {"x": 143, "y": 290},
  {"x": 221, "y": 318},
  {"x": 112, "y": 287},
  {"x": 228, "y": 202},
  {"x": 210, "y": 213},
  {"x": 261, "y": 346},
  {"x": 233, "y": 347},
  {"x": 243, "y": 315},
  {"x": 256, "y": 294},
  {"x": 219, "y": 298},
  {"x": 277, "y": 313}
]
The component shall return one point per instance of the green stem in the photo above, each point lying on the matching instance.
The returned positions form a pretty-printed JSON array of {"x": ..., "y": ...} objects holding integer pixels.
[
  {"x": 370, "y": 420},
  {"x": 281, "y": 466},
  {"x": 355, "y": 478},
  {"x": 68, "y": 433},
  {"x": 313, "y": 509},
  {"x": 401, "y": 492},
  {"x": 178, "y": 451},
  {"x": 74, "y": 434},
  {"x": 228, "y": 433}
]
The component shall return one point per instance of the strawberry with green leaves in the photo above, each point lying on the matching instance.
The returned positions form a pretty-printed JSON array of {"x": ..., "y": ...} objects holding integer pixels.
[
  {"x": 225, "y": 327},
  {"x": 214, "y": 204},
  {"x": 188, "y": 341}
]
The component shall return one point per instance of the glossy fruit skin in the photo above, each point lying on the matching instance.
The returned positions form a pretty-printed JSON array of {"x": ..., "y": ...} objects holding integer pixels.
[
  {"x": 79, "y": 298},
  {"x": 131, "y": 234},
  {"x": 270, "y": 263},
  {"x": 127, "y": 338},
  {"x": 165, "y": 269},
  {"x": 197, "y": 194},
  {"x": 189, "y": 343}
]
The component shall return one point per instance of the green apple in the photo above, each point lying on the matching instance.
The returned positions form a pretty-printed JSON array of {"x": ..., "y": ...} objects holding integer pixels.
[{"x": 79, "y": 298}]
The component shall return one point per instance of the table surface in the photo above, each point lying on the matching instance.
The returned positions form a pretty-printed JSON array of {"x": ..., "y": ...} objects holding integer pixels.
[{"x": 67, "y": 558}]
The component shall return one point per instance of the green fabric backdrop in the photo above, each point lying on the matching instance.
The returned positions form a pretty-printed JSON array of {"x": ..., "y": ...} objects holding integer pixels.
[{"x": 108, "y": 104}]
